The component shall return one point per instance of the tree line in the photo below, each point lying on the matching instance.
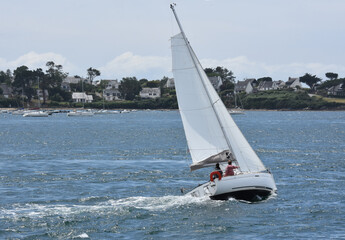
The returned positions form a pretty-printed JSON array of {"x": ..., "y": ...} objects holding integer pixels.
[{"x": 26, "y": 82}]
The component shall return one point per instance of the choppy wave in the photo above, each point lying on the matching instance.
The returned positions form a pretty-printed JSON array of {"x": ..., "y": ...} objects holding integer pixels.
[{"x": 114, "y": 206}]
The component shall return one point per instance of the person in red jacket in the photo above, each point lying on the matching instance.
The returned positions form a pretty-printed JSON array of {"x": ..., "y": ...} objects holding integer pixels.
[{"x": 229, "y": 171}]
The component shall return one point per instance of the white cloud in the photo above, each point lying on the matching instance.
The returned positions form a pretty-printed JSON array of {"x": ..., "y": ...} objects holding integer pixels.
[
  {"x": 128, "y": 65},
  {"x": 35, "y": 60}
]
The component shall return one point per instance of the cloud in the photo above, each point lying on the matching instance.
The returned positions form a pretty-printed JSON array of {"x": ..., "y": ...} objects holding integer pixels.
[
  {"x": 35, "y": 60},
  {"x": 129, "y": 64}
]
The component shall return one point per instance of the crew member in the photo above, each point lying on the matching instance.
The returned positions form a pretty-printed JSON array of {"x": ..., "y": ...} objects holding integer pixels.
[{"x": 229, "y": 171}]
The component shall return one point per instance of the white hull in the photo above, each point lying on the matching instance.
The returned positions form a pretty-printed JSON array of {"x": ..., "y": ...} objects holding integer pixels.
[
  {"x": 77, "y": 114},
  {"x": 35, "y": 114},
  {"x": 236, "y": 112},
  {"x": 249, "y": 187}
]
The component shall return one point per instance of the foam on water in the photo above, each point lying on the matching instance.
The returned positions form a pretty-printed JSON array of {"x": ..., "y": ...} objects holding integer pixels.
[{"x": 114, "y": 206}]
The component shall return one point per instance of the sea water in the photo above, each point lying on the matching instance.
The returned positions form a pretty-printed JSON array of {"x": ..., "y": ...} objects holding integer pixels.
[{"x": 119, "y": 176}]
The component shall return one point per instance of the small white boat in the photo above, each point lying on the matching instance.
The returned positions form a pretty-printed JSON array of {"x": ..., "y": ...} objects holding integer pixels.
[
  {"x": 19, "y": 112},
  {"x": 80, "y": 113},
  {"x": 236, "y": 111},
  {"x": 35, "y": 114},
  {"x": 212, "y": 135},
  {"x": 102, "y": 111}
]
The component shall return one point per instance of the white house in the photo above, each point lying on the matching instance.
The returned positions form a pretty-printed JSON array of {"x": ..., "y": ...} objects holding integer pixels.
[
  {"x": 293, "y": 83},
  {"x": 111, "y": 94},
  {"x": 74, "y": 80},
  {"x": 150, "y": 93},
  {"x": 81, "y": 97},
  {"x": 65, "y": 85},
  {"x": 245, "y": 86},
  {"x": 170, "y": 83},
  {"x": 336, "y": 90},
  {"x": 112, "y": 84},
  {"x": 265, "y": 86},
  {"x": 278, "y": 84}
]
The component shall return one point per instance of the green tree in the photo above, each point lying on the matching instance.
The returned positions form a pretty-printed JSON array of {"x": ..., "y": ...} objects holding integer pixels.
[
  {"x": 143, "y": 82},
  {"x": 53, "y": 77},
  {"x": 129, "y": 88},
  {"x": 41, "y": 82},
  {"x": 227, "y": 85},
  {"x": 23, "y": 82},
  {"x": 267, "y": 79},
  {"x": 153, "y": 84},
  {"x": 332, "y": 76},
  {"x": 310, "y": 80},
  {"x": 5, "y": 77},
  {"x": 222, "y": 72},
  {"x": 163, "y": 81},
  {"x": 92, "y": 73}
]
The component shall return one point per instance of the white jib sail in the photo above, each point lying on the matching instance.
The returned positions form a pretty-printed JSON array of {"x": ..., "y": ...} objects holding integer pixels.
[{"x": 208, "y": 126}]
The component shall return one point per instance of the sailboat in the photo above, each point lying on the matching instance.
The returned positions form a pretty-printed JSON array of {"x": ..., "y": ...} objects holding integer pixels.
[
  {"x": 212, "y": 135},
  {"x": 237, "y": 110}
]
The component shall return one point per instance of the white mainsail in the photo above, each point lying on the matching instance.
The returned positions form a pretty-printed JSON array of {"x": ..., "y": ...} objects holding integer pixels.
[{"x": 209, "y": 128}]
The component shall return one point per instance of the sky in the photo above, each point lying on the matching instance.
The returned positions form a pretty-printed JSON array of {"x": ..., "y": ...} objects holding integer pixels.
[{"x": 131, "y": 38}]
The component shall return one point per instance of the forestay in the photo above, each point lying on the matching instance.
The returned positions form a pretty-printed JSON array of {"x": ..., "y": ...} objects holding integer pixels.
[{"x": 209, "y": 128}]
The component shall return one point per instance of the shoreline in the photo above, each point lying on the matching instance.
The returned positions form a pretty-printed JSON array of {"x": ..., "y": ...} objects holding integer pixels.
[{"x": 166, "y": 109}]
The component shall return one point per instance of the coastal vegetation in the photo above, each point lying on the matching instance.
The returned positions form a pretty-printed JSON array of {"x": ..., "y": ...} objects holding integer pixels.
[
  {"x": 26, "y": 85},
  {"x": 286, "y": 99}
]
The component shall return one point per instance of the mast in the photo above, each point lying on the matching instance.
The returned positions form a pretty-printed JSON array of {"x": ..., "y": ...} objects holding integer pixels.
[
  {"x": 39, "y": 97},
  {"x": 203, "y": 83}
]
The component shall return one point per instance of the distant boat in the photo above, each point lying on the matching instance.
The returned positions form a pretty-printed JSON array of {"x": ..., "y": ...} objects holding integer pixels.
[
  {"x": 236, "y": 111},
  {"x": 212, "y": 135},
  {"x": 35, "y": 114},
  {"x": 80, "y": 113},
  {"x": 102, "y": 111},
  {"x": 19, "y": 112}
]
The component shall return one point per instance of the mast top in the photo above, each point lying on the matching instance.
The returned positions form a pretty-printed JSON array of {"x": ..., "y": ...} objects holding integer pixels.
[{"x": 172, "y": 6}]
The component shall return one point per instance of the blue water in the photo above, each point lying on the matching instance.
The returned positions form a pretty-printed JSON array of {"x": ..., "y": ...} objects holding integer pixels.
[{"x": 119, "y": 177}]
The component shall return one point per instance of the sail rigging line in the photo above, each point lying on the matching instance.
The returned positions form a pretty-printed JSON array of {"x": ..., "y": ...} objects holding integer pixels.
[{"x": 193, "y": 56}]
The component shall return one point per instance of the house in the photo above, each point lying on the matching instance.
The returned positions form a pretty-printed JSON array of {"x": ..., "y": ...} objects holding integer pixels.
[
  {"x": 66, "y": 83},
  {"x": 248, "y": 86},
  {"x": 265, "y": 86},
  {"x": 150, "y": 93},
  {"x": 278, "y": 84},
  {"x": 111, "y": 94},
  {"x": 6, "y": 90},
  {"x": 74, "y": 80},
  {"x": 81, "y": 97},
  {"x": 112, "y": 84},
  {"x": 337, "y": 90},
  {"x": 293, "y": 83},
  {"x": 111, "y": 91},
  {"x": 66, "y": 86},
  {"x": 216, "y": 82},
  {"x": 170, "y": 83}
]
